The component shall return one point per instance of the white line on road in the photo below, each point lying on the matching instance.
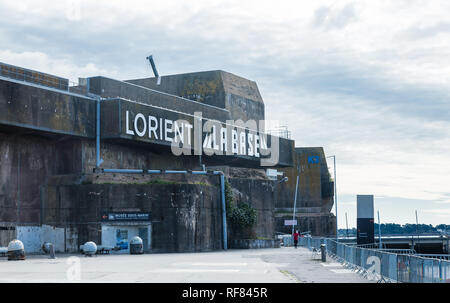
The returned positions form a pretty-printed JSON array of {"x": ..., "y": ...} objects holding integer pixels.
[
  {"x": 191, "y": 270},
  {"x": 219, "y": 264},
  {"x": 207, "y": 270},
  {"x": 342, "y": 271},
  {"x": 331, "y": 264}
]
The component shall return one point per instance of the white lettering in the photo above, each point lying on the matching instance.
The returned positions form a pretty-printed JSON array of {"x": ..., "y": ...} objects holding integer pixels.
[
  {"x": 152, "y": 129},
  {"x": 234, "y": 143},
  {"x": 127, "y": 122},
  {"x": 168, "y": 130},
  {"x": 136, "y": 120},
  {"x": 242, "y": 143},
  {"x": 250, "y": 144},
  {"x": 223, "y": 139}
]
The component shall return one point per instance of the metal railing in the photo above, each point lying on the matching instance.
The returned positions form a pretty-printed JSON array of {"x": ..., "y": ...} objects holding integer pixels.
[
  {"x": 432, "y": 256},
  {"x": 41, "y": 79},
  {"x": 384, "y": 265}
]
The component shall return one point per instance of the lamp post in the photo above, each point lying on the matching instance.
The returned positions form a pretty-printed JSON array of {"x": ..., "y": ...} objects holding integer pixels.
[
  {"x": 335, "y": 195},
  {"x": 295, "y": 205}
]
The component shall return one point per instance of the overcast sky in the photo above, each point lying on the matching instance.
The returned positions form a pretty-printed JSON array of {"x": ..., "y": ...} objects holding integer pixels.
[{"x": 367, "y": 80}]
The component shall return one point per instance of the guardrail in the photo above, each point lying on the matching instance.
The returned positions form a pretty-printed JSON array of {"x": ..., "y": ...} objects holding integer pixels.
[
  {"x": 38, "y": 78},
  {"x": 384, "y": 265}
]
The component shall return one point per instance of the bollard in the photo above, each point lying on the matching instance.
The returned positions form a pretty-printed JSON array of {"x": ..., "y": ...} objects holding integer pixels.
[
  {"x": 16, "y": 250},
  {"x": 52, "y": 251},
  {"x": 49, "y": 248},
  {"x": 136, "y": 246},
  {"x": 323, "y": 251},
  {"x": 89, "y": 249}
]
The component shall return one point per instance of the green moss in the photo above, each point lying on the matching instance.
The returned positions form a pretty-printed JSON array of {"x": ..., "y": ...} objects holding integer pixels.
[
  {"x": 154, "y": 182},
  {"x": 161, "y": 182}
]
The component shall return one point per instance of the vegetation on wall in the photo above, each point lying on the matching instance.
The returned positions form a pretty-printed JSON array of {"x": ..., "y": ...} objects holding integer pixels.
[
  {"x": 199, "y": 90},
  {"x": 241, "y": 217}
]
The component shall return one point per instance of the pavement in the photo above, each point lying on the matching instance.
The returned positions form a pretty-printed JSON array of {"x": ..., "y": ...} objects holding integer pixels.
[{"x": 274, "y": 265}]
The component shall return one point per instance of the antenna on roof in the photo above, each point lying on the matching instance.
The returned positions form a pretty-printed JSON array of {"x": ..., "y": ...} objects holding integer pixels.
[{"x": 152, "y": 63}]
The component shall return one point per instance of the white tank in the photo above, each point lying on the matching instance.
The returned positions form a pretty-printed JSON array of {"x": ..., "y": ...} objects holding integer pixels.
[
  {"x": 89, "y": 248},
  {"x": 15, "y": 245},
  {"x": 16, "y": 250},
  {"x": 136, "y": 240},
  {"x": 136, "y": 246}
]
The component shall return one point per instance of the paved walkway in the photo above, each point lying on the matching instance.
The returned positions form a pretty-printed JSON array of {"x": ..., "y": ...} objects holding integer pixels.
[
  {"x": 308, "y": 268},
  {"x": 282, "y": 265}
]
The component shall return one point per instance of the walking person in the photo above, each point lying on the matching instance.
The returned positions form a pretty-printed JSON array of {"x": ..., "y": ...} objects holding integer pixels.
[{"x": 295, "y": 235}]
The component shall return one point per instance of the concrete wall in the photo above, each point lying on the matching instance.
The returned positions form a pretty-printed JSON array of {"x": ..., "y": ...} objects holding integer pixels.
[
  {"x": 259, "y": 195},
  {"x": 25, "y": 163},
  {"x": 238, "y": 95},
  {"x": 133, "y": 156},
  {"x": 23, "y": 105},
  {"x": 185, "y": 216},
  {"x": 46, "y": 133},
  {"x": 319, "y": 224},
  {"x": 33, "y": 237},
  {"x": 109, "y": 88},
  {"x": 314, "y": 197},
  {"x": 254, "y": 243}
]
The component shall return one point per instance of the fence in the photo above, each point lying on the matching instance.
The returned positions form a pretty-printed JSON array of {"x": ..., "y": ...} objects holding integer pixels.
[
  {"x": 385, "y": 265},
  {"x": 34, "y": 77}
]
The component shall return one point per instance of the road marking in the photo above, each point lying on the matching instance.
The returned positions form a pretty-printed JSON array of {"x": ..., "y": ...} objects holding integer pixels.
[
  {"x": 342, "y": 271},
  {"x": 219, "y": 264},
  {"x": 191, "y": 270},
  {"x": 331, "y": 264},
  {"x": 207, "y": 270}
]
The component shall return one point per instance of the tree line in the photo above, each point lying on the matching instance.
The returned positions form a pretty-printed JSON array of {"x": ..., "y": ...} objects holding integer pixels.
[{"x": 406, "y": 229}]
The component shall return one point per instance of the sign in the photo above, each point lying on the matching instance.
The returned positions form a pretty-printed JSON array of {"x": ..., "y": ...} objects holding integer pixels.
[
  {"x": 313, "y": 159},
  {"x": 126, "y": 216},
  {"x": 192, "y": 134},
  {"x": 216, "y": 137},
  {"x": 290, "y": 222}
]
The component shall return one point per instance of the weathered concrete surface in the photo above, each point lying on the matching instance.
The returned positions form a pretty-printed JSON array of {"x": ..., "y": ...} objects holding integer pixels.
[
  {"x": 25, "y": 163},
  {"x": 186, "y": 209},
  {"x": 109, "y": 88},
  {"x": 315, "y": 194},
  {"x": 238, "y": 95},
  {"x": 46, "y": 110},
  {"x": 46, "y": 133},
  {"x": 259, "y": 195},
  {"x": 277, "y": 265},
  {"x": 254, "y": 243},
  {"x": 308, "y": 268},
  {"x": 117, "y": 119},
  {"x": 186, "y": 216},
  {"x": 24, "y": 74},
  {"x": 134, "y": 157}
]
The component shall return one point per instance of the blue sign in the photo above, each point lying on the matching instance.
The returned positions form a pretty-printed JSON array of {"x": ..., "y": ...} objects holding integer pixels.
[{"x": 313, "y": 159}]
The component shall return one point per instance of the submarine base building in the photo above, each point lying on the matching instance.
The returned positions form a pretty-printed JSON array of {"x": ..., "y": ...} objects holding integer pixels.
[{"x": 107, "y": 160}]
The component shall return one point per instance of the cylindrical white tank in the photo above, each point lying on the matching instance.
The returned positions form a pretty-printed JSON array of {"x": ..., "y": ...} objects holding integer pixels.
[
  {"x": 16, "y": 250},
  {"x": 136, "y": 246},
  {"x": 89, "y": 248}
]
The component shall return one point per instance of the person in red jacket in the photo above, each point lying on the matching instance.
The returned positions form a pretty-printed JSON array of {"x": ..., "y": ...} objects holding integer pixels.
[{"x": 295, "y": 235}]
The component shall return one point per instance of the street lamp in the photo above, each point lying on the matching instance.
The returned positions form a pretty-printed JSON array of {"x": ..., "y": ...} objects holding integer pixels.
[
  {"x": 295, "y": 205},
  {"x": 335, "y": 195}
]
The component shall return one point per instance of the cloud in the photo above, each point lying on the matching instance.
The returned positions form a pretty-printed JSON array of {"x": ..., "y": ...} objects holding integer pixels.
[
  {"x": 425, "y": 32},
  {"x": 332, "y": 18},
  {"x": 443, "y": 213},
  {"x": 57, "y": 66},
  {"x": 367, "y": 80}
]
